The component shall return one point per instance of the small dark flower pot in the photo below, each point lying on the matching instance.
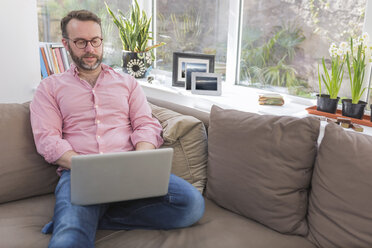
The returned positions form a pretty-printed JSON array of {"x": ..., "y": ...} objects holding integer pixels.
[
  {"x": 136, "y": 64},
  {"x": 326, "y": 104},
  {"x": 353, "y": 110}
]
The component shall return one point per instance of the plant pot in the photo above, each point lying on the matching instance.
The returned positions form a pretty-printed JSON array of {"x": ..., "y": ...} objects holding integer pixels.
[
  {"x": 326, "y": 104},
  {"x": 352, "y": 110},
  {"x": 137, "y": 64}
]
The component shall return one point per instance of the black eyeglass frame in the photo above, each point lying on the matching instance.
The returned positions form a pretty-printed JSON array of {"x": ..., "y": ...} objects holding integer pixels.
[{"x": 86, "y": 42}]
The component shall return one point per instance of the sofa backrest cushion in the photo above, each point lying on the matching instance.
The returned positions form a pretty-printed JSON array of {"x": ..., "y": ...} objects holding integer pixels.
[
  {"x": 23, "y": 172},
  {"x": 260, "y": 166},
  {"x": 187, "y": 136},
  {"x": 340, "y": 203}
]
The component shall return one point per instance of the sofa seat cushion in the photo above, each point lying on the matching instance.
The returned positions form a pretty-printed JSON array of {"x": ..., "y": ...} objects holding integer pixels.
[
  {"x": 21, "y": 223},
  {"x": 340, "y": 200},
  {"x": 218, "y": 228},
  {"x": 188, "y": 138},
  {"x": 260, "y": 166}
]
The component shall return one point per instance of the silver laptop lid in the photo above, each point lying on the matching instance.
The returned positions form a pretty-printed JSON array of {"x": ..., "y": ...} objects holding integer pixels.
[{"x": 112, "y": 177}]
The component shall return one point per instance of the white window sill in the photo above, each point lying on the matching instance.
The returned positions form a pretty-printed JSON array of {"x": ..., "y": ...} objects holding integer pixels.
[{"x": 233, "y": 97}]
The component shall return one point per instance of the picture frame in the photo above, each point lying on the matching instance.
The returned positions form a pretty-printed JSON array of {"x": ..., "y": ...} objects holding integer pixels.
[
  {"x": 195, "y": 62},
  {"x": 206, "y": 83}
]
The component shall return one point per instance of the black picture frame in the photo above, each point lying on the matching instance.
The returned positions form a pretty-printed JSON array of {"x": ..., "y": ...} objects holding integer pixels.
[{"x": 180, "y": 61}]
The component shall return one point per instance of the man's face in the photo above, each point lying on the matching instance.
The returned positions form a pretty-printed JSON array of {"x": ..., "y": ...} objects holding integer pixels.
[{"x": 88, "y": 58}]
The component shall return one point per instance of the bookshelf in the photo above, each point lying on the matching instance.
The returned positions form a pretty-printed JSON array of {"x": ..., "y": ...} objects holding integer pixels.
[{"x": 53, "y": 59}]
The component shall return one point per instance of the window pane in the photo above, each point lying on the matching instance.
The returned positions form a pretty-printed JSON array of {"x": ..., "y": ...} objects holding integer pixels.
[
  {"x": 192, "y": 26},
  {"x": 50, "y": 13},
  {"x": 283, "y": 41}
]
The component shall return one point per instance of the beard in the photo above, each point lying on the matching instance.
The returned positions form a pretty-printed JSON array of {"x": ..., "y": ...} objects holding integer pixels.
[{"x": 81, "y": 64}]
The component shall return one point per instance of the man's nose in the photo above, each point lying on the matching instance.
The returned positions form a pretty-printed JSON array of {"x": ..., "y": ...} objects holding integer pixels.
[{"x": 89, "y": 47}]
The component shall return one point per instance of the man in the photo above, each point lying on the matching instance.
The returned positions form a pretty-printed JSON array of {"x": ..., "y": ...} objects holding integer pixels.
[{"x": 92, "y": 109}]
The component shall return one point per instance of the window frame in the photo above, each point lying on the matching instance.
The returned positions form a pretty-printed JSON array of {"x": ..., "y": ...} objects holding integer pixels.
[{"x": 235, "y": 34}]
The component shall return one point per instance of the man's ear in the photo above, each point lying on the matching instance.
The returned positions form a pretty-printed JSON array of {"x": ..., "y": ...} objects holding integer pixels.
[{"x": 65, "y": 43}]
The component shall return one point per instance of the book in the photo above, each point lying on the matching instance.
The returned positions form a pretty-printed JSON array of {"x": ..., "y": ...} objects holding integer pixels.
[
  {"x": 271, "y": 99},
  {"x": 48, "y": 56},
  {"x": 54, "y": 58},
  {"x": 65, "y": 58},
  {"x": 45, "y": 60},
  {"x": 44, "y": 72},
  {"x": 59, "y": 60}
]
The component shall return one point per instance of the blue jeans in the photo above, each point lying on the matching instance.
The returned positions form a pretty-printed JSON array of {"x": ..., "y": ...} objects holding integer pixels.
[{"x": 75, "y": 226}]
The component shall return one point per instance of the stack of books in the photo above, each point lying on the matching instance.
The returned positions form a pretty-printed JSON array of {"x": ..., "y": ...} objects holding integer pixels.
[
  {"x": 53, "y": 59},
  {"x": 271, "y": 99}
]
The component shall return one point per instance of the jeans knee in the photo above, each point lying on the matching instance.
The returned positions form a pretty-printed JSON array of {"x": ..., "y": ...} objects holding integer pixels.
[
  {"x": 69, "y": 241},
  {"x": 192, "y": 210},
  {"x": 72, "y": 232},
  {"x": 196, "y": 205}
]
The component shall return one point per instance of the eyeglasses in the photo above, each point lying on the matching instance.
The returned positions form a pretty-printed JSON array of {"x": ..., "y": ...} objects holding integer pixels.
[{"x": 82, "y": 43}]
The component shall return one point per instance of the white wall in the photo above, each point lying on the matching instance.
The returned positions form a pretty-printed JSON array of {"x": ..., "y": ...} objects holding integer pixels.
[{"x": 19, "y": 63}]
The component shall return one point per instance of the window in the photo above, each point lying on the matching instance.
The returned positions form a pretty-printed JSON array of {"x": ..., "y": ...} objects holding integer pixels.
[
  {"x": 273, "y": 44},
  {"x": 192, "y": 26},
  {"x": 50, "y": 13},
  {"x": 283, "y": 41}
]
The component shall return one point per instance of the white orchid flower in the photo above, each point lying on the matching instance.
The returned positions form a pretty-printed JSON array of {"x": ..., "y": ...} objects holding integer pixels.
[
  {"x": 333, "y": 46},
  {"x": 340, "y": 52},
  {"x": 344, "y": 46},
  {"x": 365, "y": 37}
]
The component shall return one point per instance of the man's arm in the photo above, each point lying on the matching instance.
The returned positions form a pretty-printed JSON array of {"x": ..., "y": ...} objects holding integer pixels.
[
  {"x": 46, "y": 122},
  {"x": 144, "y": 146},
  {"x": 146, "y": 129},
  {"x": 65, "y": 159}
]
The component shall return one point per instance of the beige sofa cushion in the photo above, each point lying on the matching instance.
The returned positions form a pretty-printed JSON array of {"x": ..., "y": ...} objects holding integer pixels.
[
  {"x": 187, "y": 136},
  {"x": 21, "y": 223},
  {"x": 218, "y": 228},
  {"x": 340, "y": 204},
  {"x": 260, "y": 166},
  {"x": 23, "y": 172}
]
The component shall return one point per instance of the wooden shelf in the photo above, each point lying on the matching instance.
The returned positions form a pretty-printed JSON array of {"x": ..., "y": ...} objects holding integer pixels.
[{"x": 366, "y": 121}]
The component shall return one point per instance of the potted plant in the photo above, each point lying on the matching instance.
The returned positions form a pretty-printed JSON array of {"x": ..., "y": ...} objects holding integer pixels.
[
  {"x": 328, "y": 102},
  {"x": 356, "y": 64},
  {"x": 134, "y": 31}
]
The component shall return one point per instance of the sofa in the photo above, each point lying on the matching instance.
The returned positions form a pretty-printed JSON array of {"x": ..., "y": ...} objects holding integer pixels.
[{"x": 266, "y": 182}]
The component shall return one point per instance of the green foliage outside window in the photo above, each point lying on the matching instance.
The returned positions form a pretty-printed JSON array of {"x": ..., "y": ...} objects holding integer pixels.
[{"x": 268, "y": 60}]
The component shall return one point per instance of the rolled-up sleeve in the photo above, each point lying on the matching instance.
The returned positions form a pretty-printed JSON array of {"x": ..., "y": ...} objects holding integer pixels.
[
  {"x": 46, "y": 122},
  {"x": 145, "y": 127}
]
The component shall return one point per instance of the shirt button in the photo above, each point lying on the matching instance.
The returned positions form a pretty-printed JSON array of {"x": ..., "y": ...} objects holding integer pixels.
[
  {"x": 93, "y": 91},
  {"x": 98, "y": 137},
  {"x": 96, "y": 106},
  {"x": 98, "y": 121},
  {"x": 100, "y": 152}
]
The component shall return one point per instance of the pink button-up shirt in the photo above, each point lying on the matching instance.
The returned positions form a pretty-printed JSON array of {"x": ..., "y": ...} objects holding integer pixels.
[{"x": 67, "y": 113}]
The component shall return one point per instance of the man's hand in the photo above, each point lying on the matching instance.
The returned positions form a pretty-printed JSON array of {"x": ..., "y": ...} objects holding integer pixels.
[
  {"x": 144, "y": 146},
  {"x": 65, "y": 159}
]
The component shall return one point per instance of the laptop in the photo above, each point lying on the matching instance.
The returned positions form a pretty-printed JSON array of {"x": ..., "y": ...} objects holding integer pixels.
[{"x": 113, "y": 177}]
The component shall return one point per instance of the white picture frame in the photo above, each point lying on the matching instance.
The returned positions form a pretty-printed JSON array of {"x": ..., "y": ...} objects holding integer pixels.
[{"x": 203, "y": 83}]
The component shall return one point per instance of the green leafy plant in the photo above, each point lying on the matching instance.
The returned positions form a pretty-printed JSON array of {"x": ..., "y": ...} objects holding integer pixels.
[
  {"x": 182, "y": 31},
  {"x": 268, "y": 60},
  {"x": 280, "y": 74},
  {"x": 134, "y": 29},
  {"x": 356, "y": 67},
  {"x": 332, "y": 81}
]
